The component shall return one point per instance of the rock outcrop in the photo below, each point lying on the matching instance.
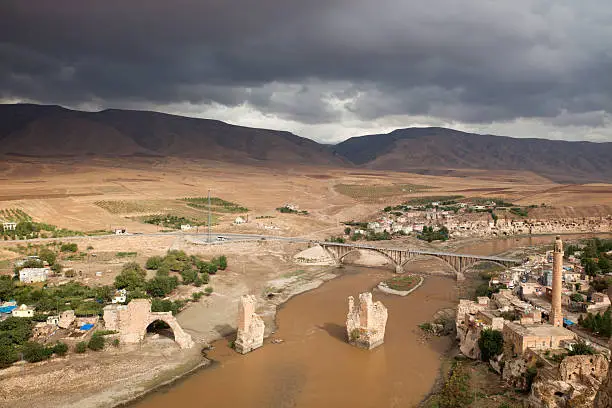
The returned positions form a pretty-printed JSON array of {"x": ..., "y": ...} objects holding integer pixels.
[
  {"x": 575, "y": 385},
  {"x": 250, "y": 326},
  {"x": 604, "y": 396},
  {"x": 366, "y": 322}
]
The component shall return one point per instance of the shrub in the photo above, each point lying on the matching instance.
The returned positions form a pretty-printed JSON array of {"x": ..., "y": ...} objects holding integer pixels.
[
  {"x": 154, "y": 262},
  {"x": 47, "y": 255},
  {"x": 189, "y": 276},
  {"x": 96, "y": 342},
  {"x": 491, "y": 343},
  {"x": 81, "y": 347},
  {"x": 69, "y": 248},
  {"x": 132, "y": 277},
  {"x": 60, "y": 348},
  {"x": 222, "y": 262},
  {"x": 205, "y": 277},
  {"x": 116, "y": 342},
  {"x": 580, "y": 349},
  {"x": 34, "y": 352},
  {"x": 8, "y": 355},
  {"x": 161, "y": 286}
]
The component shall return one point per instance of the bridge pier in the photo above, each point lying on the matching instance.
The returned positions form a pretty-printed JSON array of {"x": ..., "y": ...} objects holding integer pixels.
[{"x": 399, "y": 269}]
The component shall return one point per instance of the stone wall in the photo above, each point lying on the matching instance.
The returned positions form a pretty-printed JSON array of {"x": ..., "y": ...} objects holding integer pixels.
[
  {"x": 604, "y": 397},
  {"x": 366, "y": 322},
  {"x": 132, "y": 320},
  {"x": 250, "y": 326}
]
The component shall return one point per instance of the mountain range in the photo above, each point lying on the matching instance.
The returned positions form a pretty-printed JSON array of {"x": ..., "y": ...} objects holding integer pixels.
[{"x": 52, "y": 131}]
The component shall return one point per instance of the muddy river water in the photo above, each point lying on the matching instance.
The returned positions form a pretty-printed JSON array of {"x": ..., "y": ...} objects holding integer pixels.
[{"x": 315, "y": 367}]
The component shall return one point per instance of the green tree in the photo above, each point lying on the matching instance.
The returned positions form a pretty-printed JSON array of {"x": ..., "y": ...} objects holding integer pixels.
[
  {"x": 576, "y": 297},
  {"x": 604, "y": 264},
  {"x": 34, "y": 352},
  {"x": 154, "y": 262},
  {"x": 60, "y": 348},
  {"x": 590, "y": 266},
  {"x": 96, "y": 342},
  {"x": 47, "y": 255},
  {"x": 189, "y": 276},
  {"x": 8, "y": 355},
  {"x": 132, "y": 277},
  {"x": 81, "y": 347},
  {"x": 581, "y": 348},
  {"x": 69, "y": 248},
  {"x": 222, "y": 262},
  {"x": 15, "y": 330},
  {"x": 161, "y": 286},
  {"x": 347, "y": 231},
  {"x": 491, "y": 343}
]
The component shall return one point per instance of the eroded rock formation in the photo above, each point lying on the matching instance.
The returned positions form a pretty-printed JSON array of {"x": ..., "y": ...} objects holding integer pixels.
[
  {"x": 366, "y": 322},
  {"x": 575, "y": 385},
  {"x": 250, "y": 326}
]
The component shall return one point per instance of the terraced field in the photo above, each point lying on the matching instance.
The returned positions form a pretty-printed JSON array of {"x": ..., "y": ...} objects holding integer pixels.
[{"x": 378, "y": 192}]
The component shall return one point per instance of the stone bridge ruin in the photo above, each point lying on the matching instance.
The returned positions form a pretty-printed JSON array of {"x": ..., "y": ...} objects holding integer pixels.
[
  {"x": 132, "y": 320},
  {"x": 366, "y": 322}
]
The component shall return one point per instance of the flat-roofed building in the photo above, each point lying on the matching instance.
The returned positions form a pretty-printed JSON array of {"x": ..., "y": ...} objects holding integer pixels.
[{"x": 534, "y": 336}]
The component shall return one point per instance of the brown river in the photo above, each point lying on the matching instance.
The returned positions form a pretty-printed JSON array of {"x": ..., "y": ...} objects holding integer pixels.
[{"x": 314, "y": 366}]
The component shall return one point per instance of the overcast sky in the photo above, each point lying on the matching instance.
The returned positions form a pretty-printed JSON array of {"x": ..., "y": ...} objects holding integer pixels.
[{"x": 324, "y": 69}]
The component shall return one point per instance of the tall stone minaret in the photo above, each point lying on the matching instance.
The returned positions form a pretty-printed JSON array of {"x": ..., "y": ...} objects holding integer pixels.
[{"x": 556, "y": 314}]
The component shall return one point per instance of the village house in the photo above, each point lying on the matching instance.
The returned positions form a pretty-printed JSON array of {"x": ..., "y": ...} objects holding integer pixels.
[
  {"x": 120, "y": 296},
  {"x": 239, "y": 221},
  {"x": 120, "y": 230},
  {"x": 9, "y": 226},
  {"x": 53, "y": 320},
  {"x": 23, "y": 311},
  {"x": 186, "y": 227},
  {"x": 32, "y": 275}
]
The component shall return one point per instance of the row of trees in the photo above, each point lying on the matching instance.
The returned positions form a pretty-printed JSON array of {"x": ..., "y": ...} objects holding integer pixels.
[
  {"x": 593, "y": 257},
  {"x": 429, "y": 234},
  {"x": 599, "y": 324}
]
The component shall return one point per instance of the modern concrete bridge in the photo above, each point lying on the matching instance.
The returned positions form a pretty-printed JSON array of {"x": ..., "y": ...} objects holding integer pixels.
[{"x": 401, "y": 256}]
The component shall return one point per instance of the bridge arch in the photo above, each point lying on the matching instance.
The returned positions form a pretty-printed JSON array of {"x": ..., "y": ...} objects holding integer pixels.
[
  {"x": 357, "y": 250},
  {"x": 420, "y": 256}
]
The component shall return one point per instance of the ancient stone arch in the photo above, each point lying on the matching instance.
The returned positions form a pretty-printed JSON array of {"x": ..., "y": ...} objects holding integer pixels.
[{"x": 132, "y": 320}]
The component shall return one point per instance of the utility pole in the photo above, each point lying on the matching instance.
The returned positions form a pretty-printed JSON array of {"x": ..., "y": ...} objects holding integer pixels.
[{"x": 209, "y": 218}]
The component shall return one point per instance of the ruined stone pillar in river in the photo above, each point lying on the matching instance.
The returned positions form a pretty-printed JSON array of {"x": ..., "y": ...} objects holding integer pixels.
[
  {"x": 366, "y": 322},
  {"x": 250, "y": 326}
]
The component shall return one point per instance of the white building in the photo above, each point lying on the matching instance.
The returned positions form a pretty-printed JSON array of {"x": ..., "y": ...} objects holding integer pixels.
[
  {"x": 54, "y": 320},
  {"x": 23, "y": 311},
  {"x": 9, "y": 226},
  {"x": 120, "y": 230},
  {"x": 120, "y": 296},
  {"x": 239, "y": 220},
  {"x": 186, "y": 227},
  {"x": 31, "y": 275}
]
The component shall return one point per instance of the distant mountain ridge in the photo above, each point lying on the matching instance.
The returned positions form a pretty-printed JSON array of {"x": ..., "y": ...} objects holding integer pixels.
[
  {"x": 53, "y": 131},
  {"x": 415, "y": 149}
]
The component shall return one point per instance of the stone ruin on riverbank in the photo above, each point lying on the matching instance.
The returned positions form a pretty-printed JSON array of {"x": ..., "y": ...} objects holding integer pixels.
[
  {"x": 132, "y": 320},
  {"x": 366, "y": 322},
  {"x": 250, "y": 326}
]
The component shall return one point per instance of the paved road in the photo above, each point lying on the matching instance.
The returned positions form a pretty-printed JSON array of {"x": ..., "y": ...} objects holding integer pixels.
[{"x": 220, "y": 238}]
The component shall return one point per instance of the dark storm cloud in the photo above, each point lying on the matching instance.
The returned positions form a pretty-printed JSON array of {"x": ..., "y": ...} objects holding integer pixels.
[{"x": 472, "y": 61}]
